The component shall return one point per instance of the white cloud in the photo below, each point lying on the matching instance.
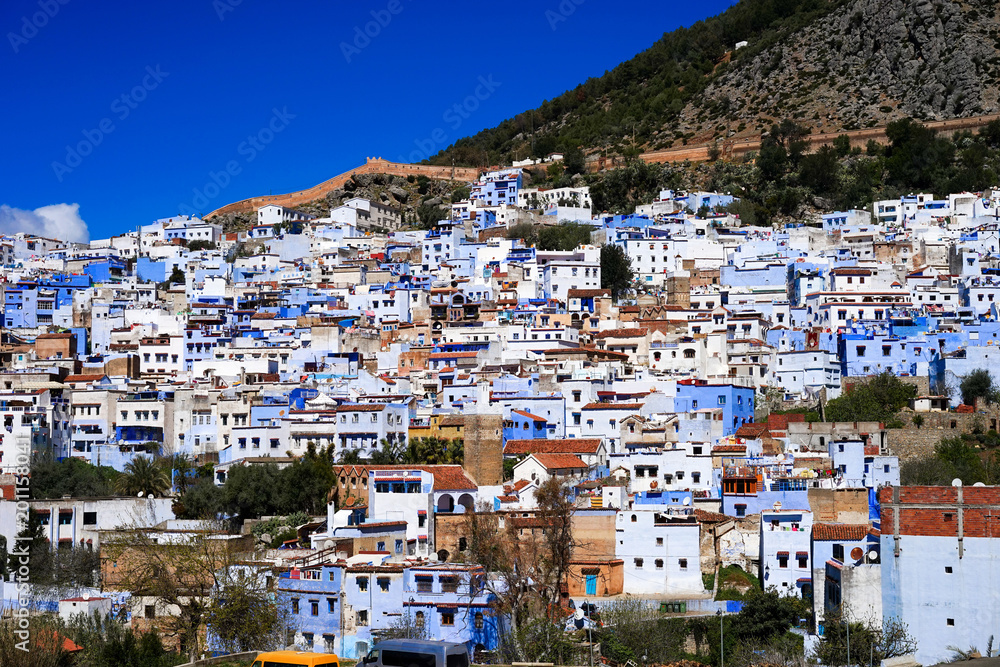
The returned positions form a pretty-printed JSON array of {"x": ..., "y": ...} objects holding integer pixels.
[{"x": 58, "y": 221}]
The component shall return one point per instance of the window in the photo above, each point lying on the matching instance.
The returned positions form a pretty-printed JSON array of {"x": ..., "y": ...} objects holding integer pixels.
[
  {"x": 783, "y": 560},
  {"x": 638, "y": 563},
  {"x": 658, "y": 563},
  {"x": 383, "y": 584},
  {"x": 362, "y": 583},
  {"x": 447, "y": 617},
  {"x": 362, "y": 618},
  {"x": 803, "y": 560},
  {"x": 948, "y": 569},
  {"x": 331, "y": 604},
  {"x": 696, "y": 478},
  {"x": 479, "y": 620},
  {"x": 449, "y": 584},
  {"x": 682, "y": 563},
  {"x": 861, "y": 350},
  {"x": 149, "y": 611},
  {"x": 425, "y": 584},
  {"x": 838, "y": 552},
  {"x": 885, "y": 468},
  {"x": 741, "y": 510},
  {"x": 419, "y": 618},
  {"x": 314, "y": 607},
  {"x": 295, "y": 605},
  {"x": 90, "y": 518},
  {"x": 951, "y": 621}
]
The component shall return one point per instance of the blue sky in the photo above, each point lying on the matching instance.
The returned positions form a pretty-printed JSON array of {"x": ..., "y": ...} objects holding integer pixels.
[{"x": 129, "y": 109}]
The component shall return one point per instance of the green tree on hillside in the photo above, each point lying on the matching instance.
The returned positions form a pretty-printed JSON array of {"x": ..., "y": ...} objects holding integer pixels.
[
  {"x": 978, "y": 385},
  {"x": 616, "y": 270},
  {"x": 878, "y": 399}
]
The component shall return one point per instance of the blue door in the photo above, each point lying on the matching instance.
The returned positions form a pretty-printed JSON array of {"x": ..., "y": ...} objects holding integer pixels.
[{"x": 591, "y": 584}]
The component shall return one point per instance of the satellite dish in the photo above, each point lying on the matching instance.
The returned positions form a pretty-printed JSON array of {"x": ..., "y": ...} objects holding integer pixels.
[
  {"x": 139, "y": 495},
  {"x": 978, "y": 484},
  {"x": 579, "y": 614},
  {"x": 150, "y": 496},
  {"x": 687, "y": 501},
  {"x": 872, "y": 555},
  {"x": 857, "y": 553},
  {"x": 86, "y": 597},
  {"x": 956, "y": 482}
]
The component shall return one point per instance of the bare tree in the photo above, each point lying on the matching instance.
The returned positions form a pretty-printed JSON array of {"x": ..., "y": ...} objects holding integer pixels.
[
  {"x": 526, "y": 560},
  {"x": 870, "y": 640},
  {"x": 178, "y": 573}
]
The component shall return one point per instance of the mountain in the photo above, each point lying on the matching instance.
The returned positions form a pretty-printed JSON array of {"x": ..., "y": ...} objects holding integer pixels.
[{"x": 827, "y": 64}]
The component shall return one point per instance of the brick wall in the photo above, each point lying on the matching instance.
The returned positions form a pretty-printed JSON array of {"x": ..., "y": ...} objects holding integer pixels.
[{"x": 938, "y": 508}]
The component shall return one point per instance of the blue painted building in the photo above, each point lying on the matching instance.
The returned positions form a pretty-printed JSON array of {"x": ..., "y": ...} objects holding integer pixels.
[{"x": 736, "y": 402}]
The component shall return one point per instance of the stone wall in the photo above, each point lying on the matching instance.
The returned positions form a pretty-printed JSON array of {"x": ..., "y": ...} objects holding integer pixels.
[{"x": 484, "y": 448}]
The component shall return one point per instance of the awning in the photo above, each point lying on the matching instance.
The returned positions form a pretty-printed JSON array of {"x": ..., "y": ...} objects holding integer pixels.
[
  {"x": 802, "y": 554},
  {"x": 782, "y": 554},
  {"x": 804, "y": 580}
]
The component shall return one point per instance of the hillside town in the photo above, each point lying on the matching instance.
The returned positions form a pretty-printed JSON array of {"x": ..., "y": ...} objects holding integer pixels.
[{"x": 673, "y": 407}]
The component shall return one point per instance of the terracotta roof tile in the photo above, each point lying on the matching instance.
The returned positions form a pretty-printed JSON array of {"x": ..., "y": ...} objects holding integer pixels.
[
  {"x": 547, "y": 446},
  {"x": 847, "y": 532},
  {"x": 560, "y": 461},
  {"x": 530, "y": 416}
]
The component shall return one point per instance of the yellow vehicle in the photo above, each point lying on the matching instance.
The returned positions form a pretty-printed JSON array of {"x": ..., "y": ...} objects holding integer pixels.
[{"x": 296, "y": 659}]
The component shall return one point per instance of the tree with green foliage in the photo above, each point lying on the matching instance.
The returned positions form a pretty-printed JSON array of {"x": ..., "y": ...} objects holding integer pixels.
[
  {"x": 978, "y": 385},
  {"x": 60, "y": 570},
  {"x": 200, "y": 245},
  {"x": 245, "y": 616},
  {"x": 877, "y": 399},
  {"x": 842, "y": 145},
  {"x": 574, "y": 161},
  {"x": 631, "y": 628},
  {"x": 525, "y": 231},
  {"x": 616, "y": 270},
  {"x": 820, "y": 171},
  {"x": 202, "y": 500},
  {"x": 872, "y": 641},
  {"x": 250, "y": 492},
  {"x": 70, "y": 477},
  {"x": 564, "y": 236},
  {"x": 303, "y": 486},
  {"x": 428, "y": 216},
  {"x": 45, "y": 647},
  {"x": 143, "y": 475},
  {"x": 177, "y": 276},
  {"x": 969, "y": 457},
  {"x": 107, "y": 642}
]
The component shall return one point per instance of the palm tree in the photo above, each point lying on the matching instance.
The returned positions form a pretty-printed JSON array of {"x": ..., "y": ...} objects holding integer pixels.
[
  {"x": 143, "y": 476},
  {"x": 351, "y": 457}
]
